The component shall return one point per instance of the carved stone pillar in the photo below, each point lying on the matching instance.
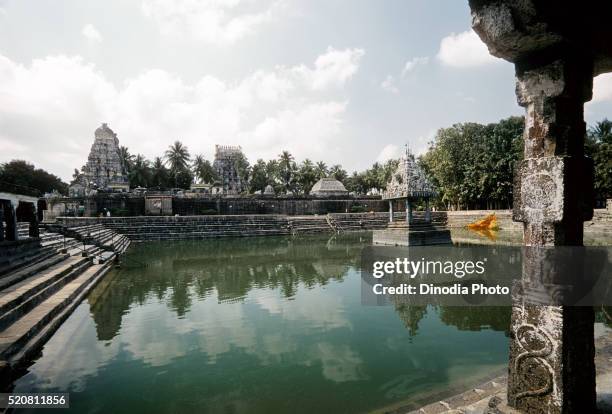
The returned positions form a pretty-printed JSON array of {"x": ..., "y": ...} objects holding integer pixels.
[
  {"x": 11, "y": 222},
  {"x": 551, "y": 349},
  {"x": 33, "y": 228}
]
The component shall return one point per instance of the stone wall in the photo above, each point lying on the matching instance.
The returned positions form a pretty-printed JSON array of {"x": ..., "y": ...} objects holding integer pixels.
[
  {"x": 130, "y": 205},
  {"x": 285, "y": 206}
]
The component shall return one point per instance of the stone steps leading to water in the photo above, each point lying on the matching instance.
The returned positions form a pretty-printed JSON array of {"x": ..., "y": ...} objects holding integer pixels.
[
  {"x": 52, "y": 276},
  {"x": 18, "y": 299},
  {"x": 308, "y": 224},
  {"x": 23, "y": 338}
]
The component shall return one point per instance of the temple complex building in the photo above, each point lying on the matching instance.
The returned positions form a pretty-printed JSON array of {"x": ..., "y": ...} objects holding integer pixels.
[
  {"x": 104, "y": 169},
  {"x": 225, "y": 166}
]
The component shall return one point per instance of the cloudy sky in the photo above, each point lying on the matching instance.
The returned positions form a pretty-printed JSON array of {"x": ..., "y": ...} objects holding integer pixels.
[{"x": 346, "y": 81}]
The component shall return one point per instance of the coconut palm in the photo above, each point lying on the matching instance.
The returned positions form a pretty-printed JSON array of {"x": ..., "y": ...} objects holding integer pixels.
[
  {"x": 203, "y": 170},
  {"x": 140, "y": 173},
  {"x": 177, "y": 157},
  {"x": 126, "y": 159},
  {"x": 286, "y": 168},
  {"x": 159, "y": 173},
  {"x": 338, "y": 172},
  {"x": 321, "y": 170},
  {"x": 306, "y": 176},
  {"x": 602, "y": 131}
]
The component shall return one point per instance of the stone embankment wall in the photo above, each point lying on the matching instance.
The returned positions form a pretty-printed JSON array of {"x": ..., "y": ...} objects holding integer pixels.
[
  {"x": 143, "y": 228},
  {"x": 198, "y": 227},
  {"x": 130, "y": 205},
  {"x": 601, "y": 222}
]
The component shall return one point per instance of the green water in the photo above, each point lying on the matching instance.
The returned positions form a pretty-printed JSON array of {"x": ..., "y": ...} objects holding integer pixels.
[{"x": 265, "y": 325}]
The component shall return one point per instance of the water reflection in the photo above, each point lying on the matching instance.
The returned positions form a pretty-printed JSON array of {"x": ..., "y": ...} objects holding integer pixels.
[
  {"x": 259, "y": 326},
  {"x": 179, "y": 273}
]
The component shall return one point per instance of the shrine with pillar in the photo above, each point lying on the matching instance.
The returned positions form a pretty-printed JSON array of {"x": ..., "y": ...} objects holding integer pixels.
[{"x": 409, "y": 186}]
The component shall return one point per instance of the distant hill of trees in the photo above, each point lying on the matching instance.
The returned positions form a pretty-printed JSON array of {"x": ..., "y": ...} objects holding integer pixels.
[{"x": 18, "y": 176}]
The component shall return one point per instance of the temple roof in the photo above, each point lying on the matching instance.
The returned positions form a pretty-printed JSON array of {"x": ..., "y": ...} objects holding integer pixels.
[
  {"x": 409, "y": 181},
  {"x": 328, "y": 186}
]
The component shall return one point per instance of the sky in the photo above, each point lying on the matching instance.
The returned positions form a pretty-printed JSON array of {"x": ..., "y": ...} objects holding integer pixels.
[{"x": 342, "y": 81}]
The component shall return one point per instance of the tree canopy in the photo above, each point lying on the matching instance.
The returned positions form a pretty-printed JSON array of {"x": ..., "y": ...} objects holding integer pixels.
[
  {"x": 19, "y": 176},
  {"x": 472, "y": 165}
]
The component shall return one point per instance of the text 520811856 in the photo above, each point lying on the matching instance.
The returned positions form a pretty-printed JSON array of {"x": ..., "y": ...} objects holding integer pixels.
[{"x": 31, "y": 400}]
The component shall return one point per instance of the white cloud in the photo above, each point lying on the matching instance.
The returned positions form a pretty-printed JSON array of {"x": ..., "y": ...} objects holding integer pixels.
[
  {"x": 49, "y": 110},
  {"x": 389, "y": 85},
  {"x": 91, "y": 33},
  {"x": 602, "y": 88},
  {"x": 389, "y": 152},
  {"x": 464, "y": 50},
  {"x": 219, "y": 22},
  {"x": 414, "y": 63},
  {"x": 333, "y": 68}
]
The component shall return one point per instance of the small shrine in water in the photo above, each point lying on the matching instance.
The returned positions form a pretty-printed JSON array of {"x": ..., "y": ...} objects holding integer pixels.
[{"x": 409, "y": 186}]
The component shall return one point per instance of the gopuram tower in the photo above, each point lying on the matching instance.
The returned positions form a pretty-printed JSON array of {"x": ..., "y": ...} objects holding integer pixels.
[{"x": 104, "y": 169}]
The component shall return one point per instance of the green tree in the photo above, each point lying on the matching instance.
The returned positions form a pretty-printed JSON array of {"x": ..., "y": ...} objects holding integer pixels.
[
  {"x": 182, "y": 178},
  {"x": 338, "y": 173},
  {"x": 286, "y": 169},
  {"x": 159, "y": 173},
  {"x": 321, "y": 170},
  {"x": 140, "y": 173},
  {"x": 203, "y": 170},
  {"x": 259, "y": 177},
  {"x": 599, "y": 147},
  {"x": 19, "y": 176},
  {"x": 356, "y": 183},
  {"x": 177, "y": 156},
  {"x": 306, "y": 176},
  {"x": 126, "y": 158},
  {"x": 472, "y": 165},
  {"x": 243, "y": 169},
  {"x": 273, "y": 175}
]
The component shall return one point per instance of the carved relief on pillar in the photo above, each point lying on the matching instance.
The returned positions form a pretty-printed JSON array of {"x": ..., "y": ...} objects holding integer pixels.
[{"x": 535, "y": 379}]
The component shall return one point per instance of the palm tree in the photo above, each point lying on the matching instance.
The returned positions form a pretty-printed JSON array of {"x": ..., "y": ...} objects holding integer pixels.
[
  {"x": 203, "y": 170},
  {"x": 321, "y": 170},
  {"x": 306, "y": 176},
  {"x": 338, "y": 172},
  {"x": 286, "y": 167},
  {"x": 197, "y": 165},
  {"x": 177, "y": 156},
  {"x": 602, "y": 131},
  {"x": 126, "y": 159},
  {"x": 159, "y": 173},
  {"x": 140, "y": 173}
]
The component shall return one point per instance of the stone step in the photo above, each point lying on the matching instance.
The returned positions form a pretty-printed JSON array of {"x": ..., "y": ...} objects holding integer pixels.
[
  {"x": 195, "y": 235},
  {"x": 12, "y": 262},
  {"x": 20, "y": 298},
  {"x": 31, "y": 269},
  {"x": 20, "y": 341}
]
